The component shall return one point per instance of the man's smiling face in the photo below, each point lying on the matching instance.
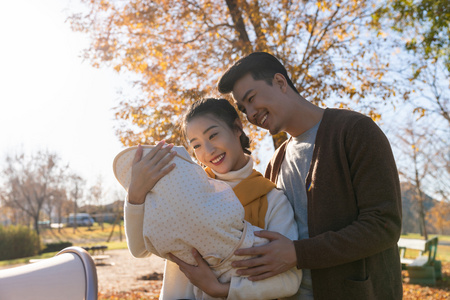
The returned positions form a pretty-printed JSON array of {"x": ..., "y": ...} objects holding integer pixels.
[{"x": 259, "y": 101}]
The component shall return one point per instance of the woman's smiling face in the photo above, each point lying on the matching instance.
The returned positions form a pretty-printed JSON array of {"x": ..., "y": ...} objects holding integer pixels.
[{"x": 215, "y": 144}]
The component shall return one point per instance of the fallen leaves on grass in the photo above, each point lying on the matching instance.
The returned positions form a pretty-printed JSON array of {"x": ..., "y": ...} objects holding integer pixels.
[
  {"x": 441, "y": 291},
  {"x": 149, "y": 292},
  {"x": 152, "y": 276},
  {"x": 133, "y": 295}
]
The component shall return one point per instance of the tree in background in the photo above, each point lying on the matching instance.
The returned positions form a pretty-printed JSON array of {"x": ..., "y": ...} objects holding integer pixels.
[
  {"x": 96, "y": 193},
  {"x": 179, "y": 49},
  {"x": 29, "y": 181},
  {"x": 57, "y": 197},
  {"x": 75, "y": 189},
  {"x": 439, "y": 217},
  {"x": 60, "y": 205},
  {"x": 423, "y": 31},
  {"x": 117, "y": 208},
  {"x": 423, "y": 28},
  {"x": 419, "y": 164},
  {"x": 427, "y": 22}
]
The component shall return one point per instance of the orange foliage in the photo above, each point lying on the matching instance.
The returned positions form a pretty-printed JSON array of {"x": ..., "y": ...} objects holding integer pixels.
[
  {"x": 439, "y": 216},
  {"x": 180, "y": 48}
]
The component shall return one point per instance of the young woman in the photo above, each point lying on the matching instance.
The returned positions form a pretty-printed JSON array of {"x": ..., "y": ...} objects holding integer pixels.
[{"x": 214, "y": 131}]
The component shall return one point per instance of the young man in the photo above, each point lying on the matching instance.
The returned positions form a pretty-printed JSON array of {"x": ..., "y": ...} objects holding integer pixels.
[{"x": 339, "y": 174}]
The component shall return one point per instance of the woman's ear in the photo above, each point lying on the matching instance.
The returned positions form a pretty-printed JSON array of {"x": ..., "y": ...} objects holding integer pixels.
[
  {"x": 238, "y": 127},
  {"x": 280, "y": 81}
]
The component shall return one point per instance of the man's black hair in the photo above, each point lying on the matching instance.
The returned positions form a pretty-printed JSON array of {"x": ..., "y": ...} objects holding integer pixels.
[{"x": 261, "y": 65}]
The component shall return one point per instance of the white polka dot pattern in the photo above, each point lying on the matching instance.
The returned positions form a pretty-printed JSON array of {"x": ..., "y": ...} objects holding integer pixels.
[{"x": 186, "y": 210}]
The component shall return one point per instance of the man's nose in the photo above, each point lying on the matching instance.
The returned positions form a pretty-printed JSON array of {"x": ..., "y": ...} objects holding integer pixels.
[{"x": 251, "y": 114}]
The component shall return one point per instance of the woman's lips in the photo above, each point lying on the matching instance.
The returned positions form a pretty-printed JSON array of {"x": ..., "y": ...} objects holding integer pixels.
[{"x": 218, "y": 159}]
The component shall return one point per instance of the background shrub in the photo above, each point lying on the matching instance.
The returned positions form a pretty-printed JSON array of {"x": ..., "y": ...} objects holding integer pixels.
[
  {"x": 54, "y": 247},
  {"x": 18, "y": 242}
]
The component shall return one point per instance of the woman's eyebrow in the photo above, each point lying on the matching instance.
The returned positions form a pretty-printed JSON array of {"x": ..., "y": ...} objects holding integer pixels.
[
  {"x": 206, "y": 130},
  {"x": 209, "y": 128}
]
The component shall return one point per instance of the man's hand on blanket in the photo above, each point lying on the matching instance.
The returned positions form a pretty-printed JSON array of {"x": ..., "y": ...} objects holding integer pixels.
[
  {"x": 202, "y": 276},
  {"x": 148, "y": 170},
  {"x": 271, "y": 259}
]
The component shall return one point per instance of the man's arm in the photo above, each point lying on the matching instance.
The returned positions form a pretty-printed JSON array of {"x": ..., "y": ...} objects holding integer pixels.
[
  {"x": 283, "y": 285},
  {"x": 276, "y": 257},
  {"x": 378, "y": 222}
]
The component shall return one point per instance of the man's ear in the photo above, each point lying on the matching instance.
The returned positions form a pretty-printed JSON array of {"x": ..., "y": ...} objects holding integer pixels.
[{"x": 280, "y": 81}]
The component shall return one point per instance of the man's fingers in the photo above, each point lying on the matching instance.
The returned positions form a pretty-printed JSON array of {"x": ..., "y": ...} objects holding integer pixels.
[
  {"x": 248, "y": 263},
  {"x": 255, "y": 271},
  {"x": 261, "y": 277},
  {"x": 253, "y": 251},
  {"x": 270, "y": 235}
]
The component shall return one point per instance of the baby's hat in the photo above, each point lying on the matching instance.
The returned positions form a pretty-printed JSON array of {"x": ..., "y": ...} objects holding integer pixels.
[{"x": 124, "y": 161}]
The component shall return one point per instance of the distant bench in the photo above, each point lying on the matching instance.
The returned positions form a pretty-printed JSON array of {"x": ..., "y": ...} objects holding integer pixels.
[
  {"x": 424, "y": 268},
  {"x": 96, "y": 249},
  {"x": 98, "y": 253}
]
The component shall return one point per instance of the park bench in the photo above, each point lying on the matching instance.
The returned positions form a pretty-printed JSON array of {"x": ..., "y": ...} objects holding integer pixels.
[
  {"x": 423, "y": 268},
  {"x": 98, "y": 253},
  {"x": 96, "y": 249}
]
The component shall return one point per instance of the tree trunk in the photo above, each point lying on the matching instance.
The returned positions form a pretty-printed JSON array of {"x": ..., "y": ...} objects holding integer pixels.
[
  {"x": 239, "y": 26},
  {"x": 422, "y": 214}
]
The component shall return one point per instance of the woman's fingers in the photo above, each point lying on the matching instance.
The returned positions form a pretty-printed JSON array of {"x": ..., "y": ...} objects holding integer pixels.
[
  {"x": 147, "y": 170},
  {"x": 178, "y": 261},
  {"x": 164, "y": 161},
  {"x": 138, "y": 154},
  {"x": 157, "y": 153},
  {"x": 198, "y": 258},
  {"x": 154, "y": 150}
]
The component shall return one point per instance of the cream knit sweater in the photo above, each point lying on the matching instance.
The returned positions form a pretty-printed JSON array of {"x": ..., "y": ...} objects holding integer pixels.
[{"x": 186, "y": 210}]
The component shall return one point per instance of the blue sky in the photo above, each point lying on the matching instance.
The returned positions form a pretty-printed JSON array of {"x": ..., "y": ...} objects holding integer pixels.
[{"x": 49, "y": 98}]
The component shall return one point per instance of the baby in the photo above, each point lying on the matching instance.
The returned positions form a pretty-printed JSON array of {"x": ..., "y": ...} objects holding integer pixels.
[{"x": 186, "y": 209}]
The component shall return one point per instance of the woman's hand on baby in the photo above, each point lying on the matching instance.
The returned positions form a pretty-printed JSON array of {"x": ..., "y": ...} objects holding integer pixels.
[
  {"x": 271, "y": 259},
  {"x": 148, "y": 170},
  {"x": 202, "y": 276}
]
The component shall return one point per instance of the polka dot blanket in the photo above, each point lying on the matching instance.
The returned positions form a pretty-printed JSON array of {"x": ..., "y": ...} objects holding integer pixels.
[{"x": 186, "y": 209}]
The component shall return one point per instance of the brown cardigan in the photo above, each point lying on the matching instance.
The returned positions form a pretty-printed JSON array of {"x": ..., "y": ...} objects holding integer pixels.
[{"x": 354, "y": 210}]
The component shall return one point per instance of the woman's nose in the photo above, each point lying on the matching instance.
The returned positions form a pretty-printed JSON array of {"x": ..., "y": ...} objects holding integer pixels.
[{"x": 209, "y": 148}]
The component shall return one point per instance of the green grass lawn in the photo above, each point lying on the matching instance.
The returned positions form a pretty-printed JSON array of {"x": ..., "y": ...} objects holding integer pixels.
[
  {"x": 82, "y": 237},
  {"x": 443, "y": 251},
  {"x": 95, "y": 235}
]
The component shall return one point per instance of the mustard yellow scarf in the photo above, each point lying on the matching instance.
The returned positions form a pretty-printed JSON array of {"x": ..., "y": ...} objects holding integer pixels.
[{"x": 252, "y": 193}]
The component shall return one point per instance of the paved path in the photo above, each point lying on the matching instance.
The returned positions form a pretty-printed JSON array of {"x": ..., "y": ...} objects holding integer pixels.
[{"x": 121, "y": 271}]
